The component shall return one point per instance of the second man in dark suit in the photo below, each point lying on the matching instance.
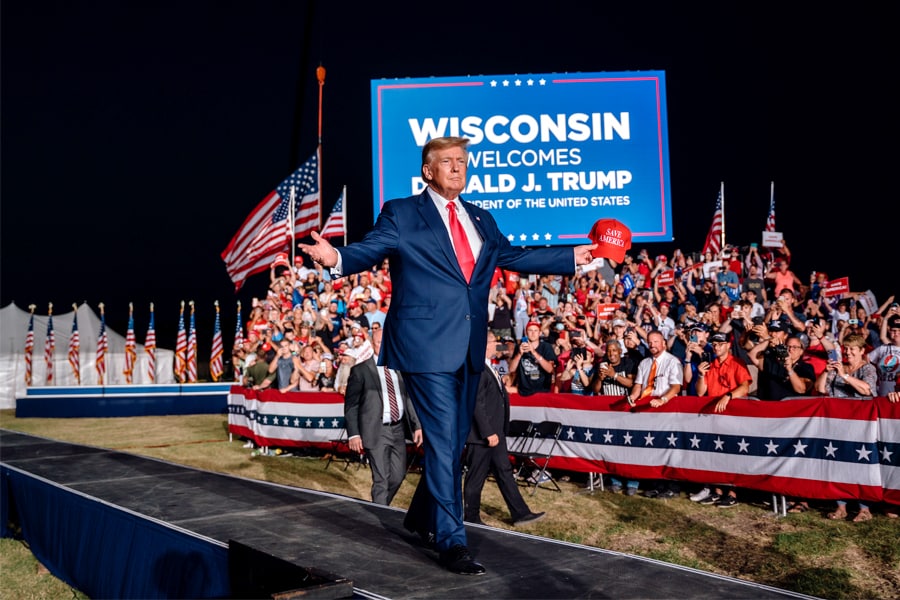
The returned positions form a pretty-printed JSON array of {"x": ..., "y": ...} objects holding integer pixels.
[
  {"x": 486, "y": 451},
  {"x": 379, "y": 426}
]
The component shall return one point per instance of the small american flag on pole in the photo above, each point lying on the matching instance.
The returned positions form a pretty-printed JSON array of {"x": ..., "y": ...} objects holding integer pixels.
[
  {"x": 216, "y": 367},
  {"x": 770, "y": 220},
  {"x": 267, "y": 231},
  {"x": 29, "y": 345},
  {"x": 238, "y": 342},
  {"x": 181, "y": 348},
  {"x": 74, "y": 353},
  {"x": 130, "y": 347},
  {"x": 192, "y": 349},
  {"x": 335, "y": 225},
  {"x": 714, "y": 237},
  {"x": 102, "y": 347},
  {"x": 49, "y": 345},
  {"x": 150, "y": 347}
]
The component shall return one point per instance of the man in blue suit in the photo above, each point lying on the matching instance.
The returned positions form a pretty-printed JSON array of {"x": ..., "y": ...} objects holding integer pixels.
[{"x": 441, "y": 280}]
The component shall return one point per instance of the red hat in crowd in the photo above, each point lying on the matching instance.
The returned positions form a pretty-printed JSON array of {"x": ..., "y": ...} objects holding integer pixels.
[
  {"x": 281, "y": 259},
  {"x": 612, "y": 237},
  {"x": 533, "y": 324}
]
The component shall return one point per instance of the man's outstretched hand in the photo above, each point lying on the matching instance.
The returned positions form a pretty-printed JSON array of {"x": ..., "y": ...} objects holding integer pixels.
[
  {"x": 583, "y": 254},
  {"x": 321, "y": 252}
]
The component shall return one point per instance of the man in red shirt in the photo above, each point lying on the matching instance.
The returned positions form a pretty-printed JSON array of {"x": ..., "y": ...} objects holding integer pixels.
[{"x": 724, "y": 378}]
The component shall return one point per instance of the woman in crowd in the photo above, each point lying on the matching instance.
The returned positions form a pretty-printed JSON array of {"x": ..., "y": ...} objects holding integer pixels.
[{"x": 855, "y": 379}]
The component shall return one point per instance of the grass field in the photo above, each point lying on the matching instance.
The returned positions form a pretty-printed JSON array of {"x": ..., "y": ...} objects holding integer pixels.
[{"x": 804, "y": 552}]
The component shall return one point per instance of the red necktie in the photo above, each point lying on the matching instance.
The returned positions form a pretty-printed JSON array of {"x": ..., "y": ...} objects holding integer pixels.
[
  {"x": 392, "y": 396},
  {"x": 461, "y": 243}
]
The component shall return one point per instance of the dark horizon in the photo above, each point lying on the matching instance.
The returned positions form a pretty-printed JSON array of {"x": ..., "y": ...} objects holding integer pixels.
[{"x": 138, "y": 139}]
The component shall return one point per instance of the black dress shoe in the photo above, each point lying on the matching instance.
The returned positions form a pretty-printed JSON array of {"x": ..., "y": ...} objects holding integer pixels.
[
  {"x": 458, "y": 560},
  {"x": 530, "y": 518},
  {"x": 429, "y": 540}
]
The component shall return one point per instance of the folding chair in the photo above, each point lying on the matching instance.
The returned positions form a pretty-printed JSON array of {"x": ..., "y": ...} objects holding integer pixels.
[
  {"x": 545, "y": 440},
  {"x": 341, "y": 452},
  {"x": 519, "y": 437}
]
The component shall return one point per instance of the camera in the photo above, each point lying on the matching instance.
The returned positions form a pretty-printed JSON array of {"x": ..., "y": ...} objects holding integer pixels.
[
  {"x": 580, "y": 351},
  {"x": 706, "y": 357},
  {"x": 780, "y": 352}
]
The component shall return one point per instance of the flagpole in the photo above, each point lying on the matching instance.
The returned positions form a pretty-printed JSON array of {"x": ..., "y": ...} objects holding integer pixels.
[
  {"x": 344, "y": 212},
  {"x": 722, "y": 193},
  {"x": 772, "y": 195},
  {"x": 320, "y": 75},
  {"x": 290, "y": 220}
]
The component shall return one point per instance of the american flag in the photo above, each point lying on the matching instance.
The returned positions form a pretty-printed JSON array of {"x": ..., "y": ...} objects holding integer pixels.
[
  {"x": 181, "y": 349},
  {"x": 74, "y": 353},
  {"x": 770, "y": 220},
  {"x": 714, "y": 237},
  {"x": 192, "y": 350},
  {"x": 334, "y": 226},
  {"x": 49, "y": 346},
  {"x": 216, "y": 368},
  {"x": 238, "y": 342},
  {"x": 29, "y": 347},
  {"x": 266, "y": 231},
  {"x": 130, "y": 349},
  {"x": 102, "y": 347},
  {"x": 150, "y": 348}
]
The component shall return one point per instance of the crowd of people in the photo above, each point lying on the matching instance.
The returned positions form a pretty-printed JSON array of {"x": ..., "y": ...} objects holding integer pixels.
[{"x": 738, "y": 325}]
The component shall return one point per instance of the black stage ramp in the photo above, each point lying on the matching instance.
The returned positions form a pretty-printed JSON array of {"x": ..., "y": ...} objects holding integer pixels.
[{"x": 357, "y": 540}]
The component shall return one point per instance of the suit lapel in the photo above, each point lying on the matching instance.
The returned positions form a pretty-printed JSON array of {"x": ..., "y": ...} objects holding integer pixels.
[
  {"x": 432, "y": 219},
  {"x": 372, "y": 369}
]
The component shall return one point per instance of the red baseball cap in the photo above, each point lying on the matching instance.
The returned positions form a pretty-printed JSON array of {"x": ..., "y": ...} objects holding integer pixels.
[
  {"x": 281, "y": 259},
  {"x": 612, "y": 237}
]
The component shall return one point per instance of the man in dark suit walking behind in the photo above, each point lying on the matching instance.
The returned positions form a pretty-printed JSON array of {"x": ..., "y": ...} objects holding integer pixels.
[
  {"x": 443, "y": 252},
  {"x": 486, "y": 450},
  {"x": 379, "y": 420}
]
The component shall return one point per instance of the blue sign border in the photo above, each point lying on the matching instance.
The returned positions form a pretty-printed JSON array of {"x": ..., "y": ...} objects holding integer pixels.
[{"x": 549, "y": 154}]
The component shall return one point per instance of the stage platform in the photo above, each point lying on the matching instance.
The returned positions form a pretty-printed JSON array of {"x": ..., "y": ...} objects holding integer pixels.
[{"x": 357, "y": 540}]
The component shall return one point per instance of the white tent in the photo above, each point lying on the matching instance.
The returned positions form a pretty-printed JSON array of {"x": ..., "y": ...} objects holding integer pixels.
[{"x": 14, "y": 328}]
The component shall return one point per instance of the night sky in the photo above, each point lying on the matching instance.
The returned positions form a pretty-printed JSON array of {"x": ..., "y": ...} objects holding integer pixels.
[{"x": 137, "y": 136}]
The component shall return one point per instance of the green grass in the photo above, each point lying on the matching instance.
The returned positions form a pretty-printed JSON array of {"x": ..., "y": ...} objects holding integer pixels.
[{"x": 806, "y": 553}]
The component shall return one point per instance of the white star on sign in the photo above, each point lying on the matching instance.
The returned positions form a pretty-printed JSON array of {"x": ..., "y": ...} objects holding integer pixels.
[
  {"x": 695, "y": 441},
  {"x": 648, "y": 440},
  {"x": 309, "y": 422},
  {"x": 743, "y": 445},
  {"x": 830, "y": 450},
  {"x": 588, "y": 435},
  {"x": 570, "y": 434},
  {"x": 886, "y": 455},
  {"x": 548, "y": 236},
  {"x": 628, "y": 438},
  {"x": 800, "y": 448},
  {"x": 607, "y": 437},
  {"x": 720, "y": 443},
  {"x": 321, "y": 422},
  {"x": 673, "y": 439}
]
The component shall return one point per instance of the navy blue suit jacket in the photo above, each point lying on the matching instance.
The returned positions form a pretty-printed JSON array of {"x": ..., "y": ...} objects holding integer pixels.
[{"x": 437, "y": 321}]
